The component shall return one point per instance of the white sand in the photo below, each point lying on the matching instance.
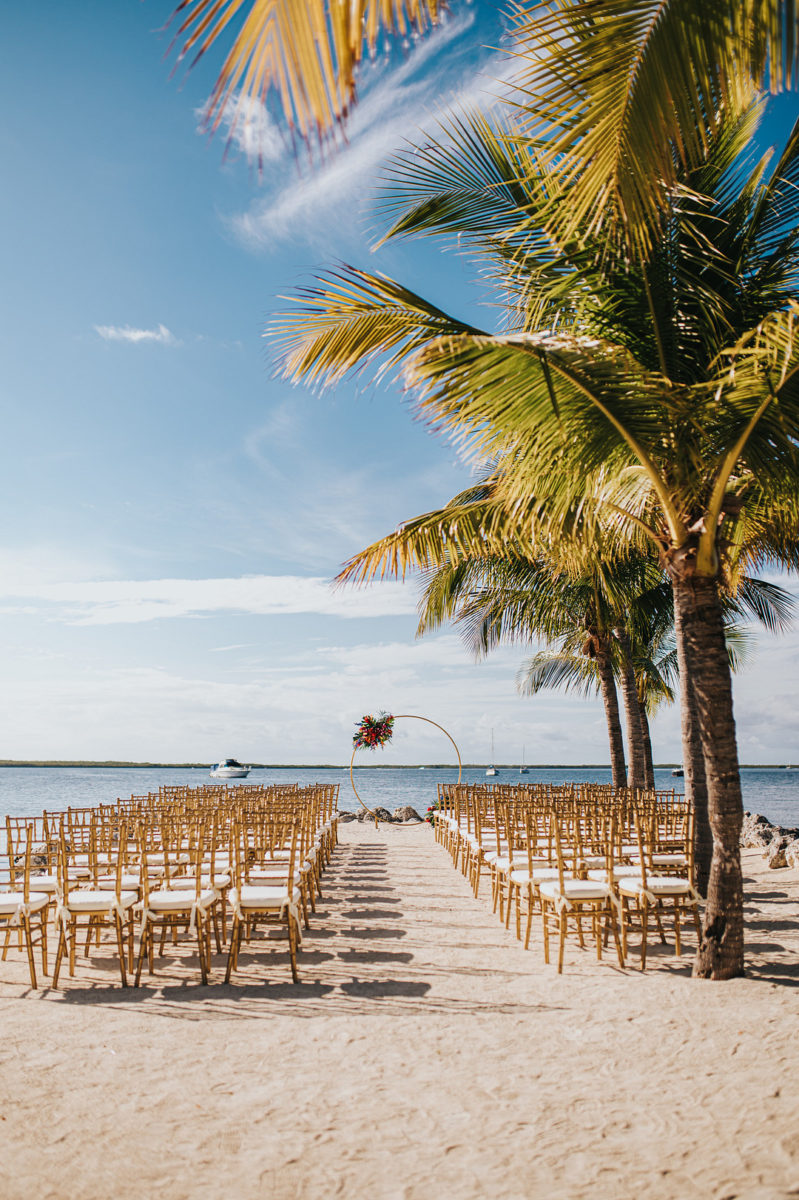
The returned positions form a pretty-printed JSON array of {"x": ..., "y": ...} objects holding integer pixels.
[{"x": 424, "y": 1055}]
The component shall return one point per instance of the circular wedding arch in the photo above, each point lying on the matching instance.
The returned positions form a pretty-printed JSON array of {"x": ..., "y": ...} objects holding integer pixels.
[{"x": 403, "y": 717}]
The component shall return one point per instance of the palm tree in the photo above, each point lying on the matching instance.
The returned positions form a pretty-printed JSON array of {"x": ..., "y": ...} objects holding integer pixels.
[
  {"x": 496, "y": 599},
  {"x": 565, "y": 667},
  {"x": 663, "y": 401}
]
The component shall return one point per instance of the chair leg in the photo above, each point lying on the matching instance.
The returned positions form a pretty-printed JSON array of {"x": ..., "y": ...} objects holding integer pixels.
[
  {"x": 677, "y": 918},
  {"x": 62, "y": 945},
  {"x": 201, "y": 946},
  {"x": 121, "y": 948},
  {"x": 26, "y": 924},
  {"x": 235, "y": 937},
  {"x": 545, "y": 928},
  {"x": 293, "y": 949},
  {"x": 562, "y": 942},
  {"x": 529, "y": 916},
  {"x": 656, "y": 914},
  {"x": 73, "y": 937},
  {"x": 697, "y": 922},
  {"x": 644, "y": 929},
  {"x": 43, "y": 929},
  {"x": 145, "y": 947}
]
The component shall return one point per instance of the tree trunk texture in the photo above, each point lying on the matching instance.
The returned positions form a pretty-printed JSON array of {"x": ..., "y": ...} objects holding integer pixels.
[
  {"x": 650, "y": 766},
  {"x": 632, "y": 712},
  {"x": 703, "y": 835},
  {"x": 693, "y": 761},
  {"x": 611, "y": 701},
  {"x": 700, "y": 627}
]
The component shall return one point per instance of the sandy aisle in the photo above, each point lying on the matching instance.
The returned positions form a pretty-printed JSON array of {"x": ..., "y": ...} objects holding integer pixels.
[{"x": 424, "y": 1055}]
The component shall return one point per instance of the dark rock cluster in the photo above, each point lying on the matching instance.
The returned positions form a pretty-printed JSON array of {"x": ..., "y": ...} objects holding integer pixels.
[{"x": 404, "y": 815}]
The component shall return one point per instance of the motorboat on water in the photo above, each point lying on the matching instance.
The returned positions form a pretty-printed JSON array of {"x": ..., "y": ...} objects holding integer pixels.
[
  {"x": 229, "y": 768},
  {"x": 678, "y": 772}
]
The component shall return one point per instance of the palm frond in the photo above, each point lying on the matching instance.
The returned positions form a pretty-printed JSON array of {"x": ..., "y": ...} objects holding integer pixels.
[
  {"x": 306, "y": 52},
  {"x": 558, "y": 670},
  {"x": 351, "y": 319},
  {"x": 620, "y": 93}
]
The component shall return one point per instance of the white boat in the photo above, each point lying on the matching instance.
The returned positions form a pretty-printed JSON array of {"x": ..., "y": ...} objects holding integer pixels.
[
  {"x": 229, "y": 768},
  {"x": 492, "y": 770},
  {"x": 523, "y": 769}
]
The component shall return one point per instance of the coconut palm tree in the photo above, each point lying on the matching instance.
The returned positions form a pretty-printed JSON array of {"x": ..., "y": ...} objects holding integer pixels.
[
  {"x": 663, "y": 400},
  {"x": 496, "y": 599},
  {"x": 565, "y": 667}
]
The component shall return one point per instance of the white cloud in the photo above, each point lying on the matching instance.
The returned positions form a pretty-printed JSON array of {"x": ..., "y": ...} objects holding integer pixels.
[
  {"x": 250, "y": 128},
  {"x": 395, "y": 104},
  {"x": 118, "y": 602},
  {"x": 127, "y": 333}
]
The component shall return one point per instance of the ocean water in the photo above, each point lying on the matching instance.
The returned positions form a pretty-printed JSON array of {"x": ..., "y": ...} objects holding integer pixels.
[{"x": 27, "y": 791}]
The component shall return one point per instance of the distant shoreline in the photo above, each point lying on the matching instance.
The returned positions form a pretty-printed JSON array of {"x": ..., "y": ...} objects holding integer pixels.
[{"x": 114, "y": 764}]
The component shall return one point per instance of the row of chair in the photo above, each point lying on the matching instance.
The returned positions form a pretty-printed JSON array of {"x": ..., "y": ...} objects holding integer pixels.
[
  {"x": 575, "y": 853},
  {"x": 165, "y": 864}
]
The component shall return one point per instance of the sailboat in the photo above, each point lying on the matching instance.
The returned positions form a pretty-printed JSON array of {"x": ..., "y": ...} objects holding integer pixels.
[
  {"x": 523, "y": 769},
  {"x": 492, "y": 770}
]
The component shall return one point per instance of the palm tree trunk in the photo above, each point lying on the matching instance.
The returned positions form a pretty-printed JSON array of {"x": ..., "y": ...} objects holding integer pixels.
[
  {"x": 693, "y": 761},
  {"x": 632, "y": 711},
  {"x": 607, "y": 686},
  {"x": 649, "y": 764},
  {"x": 700, "y": 628}
]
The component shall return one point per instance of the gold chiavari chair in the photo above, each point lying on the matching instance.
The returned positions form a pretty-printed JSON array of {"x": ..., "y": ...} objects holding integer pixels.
[
  {"x": 651, "y": 892},
  {"x": 274, "y": 902},
  {"x": 22, "y": 909},
  {"x": 570, "y": 898},
  {"x": 172, "y": 909},
  {"x": 99, "y": 907}
]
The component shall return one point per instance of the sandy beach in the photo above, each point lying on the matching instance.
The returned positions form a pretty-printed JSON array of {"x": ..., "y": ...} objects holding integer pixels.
[{"x": 423, "y": 1054}]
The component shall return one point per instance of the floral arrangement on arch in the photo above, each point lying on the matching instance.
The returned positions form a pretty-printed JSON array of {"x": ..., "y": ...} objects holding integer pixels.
[{"x": 371, "y": 732}]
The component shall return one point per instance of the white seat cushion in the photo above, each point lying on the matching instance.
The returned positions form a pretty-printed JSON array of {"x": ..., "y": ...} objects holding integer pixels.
[
  {"x": 622, "y": 871},
  {"x": 574, "y": 889},
  {"x": 264, "y": 898},
  {"x": 174, "y": 900},
  {"x": 11, "y": 902},
  {"x": 186, "y": 882},
  {"x": 658, "y": 885},
  {"x": 539, "y": 875},
  {"x": 127, "y": 882},
  {"x": 97, "y": 901}
]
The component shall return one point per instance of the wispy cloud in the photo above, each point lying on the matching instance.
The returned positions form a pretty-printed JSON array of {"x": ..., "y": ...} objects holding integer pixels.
[
  {"x": 128, "y": 333},
  {"x": 134, "y": 601},
  {"x": 249, "y": 127},
  {"x": 396, "y": 103}
]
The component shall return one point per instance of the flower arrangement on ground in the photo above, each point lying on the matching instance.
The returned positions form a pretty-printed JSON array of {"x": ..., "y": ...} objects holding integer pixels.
[
  {"x": 430, "y": 815},
  {"x": 371, "y": 732}
]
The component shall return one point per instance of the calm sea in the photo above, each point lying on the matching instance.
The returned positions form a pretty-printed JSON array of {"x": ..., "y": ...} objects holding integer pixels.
[{"x": 27, "y": 791}]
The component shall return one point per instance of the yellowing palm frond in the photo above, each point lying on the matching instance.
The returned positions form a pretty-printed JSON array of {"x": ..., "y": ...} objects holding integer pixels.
[{"x": 306, "y": 51}]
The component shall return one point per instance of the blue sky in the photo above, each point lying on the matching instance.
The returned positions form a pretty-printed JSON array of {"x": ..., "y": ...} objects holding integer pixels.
[{"x": 171, "y": 512}]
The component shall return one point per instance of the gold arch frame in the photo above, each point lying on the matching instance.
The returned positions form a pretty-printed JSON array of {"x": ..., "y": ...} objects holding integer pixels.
[{"x": 403, "y": 717}]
